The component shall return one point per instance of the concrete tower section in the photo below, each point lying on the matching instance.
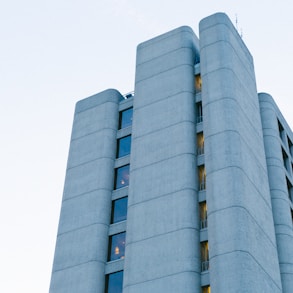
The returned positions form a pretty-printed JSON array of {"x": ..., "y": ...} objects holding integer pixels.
[
  {"x": 278, "y": 146},
  {"x": 162, "y": 243},
  {"x": 82, "y": 240},
  {"x": 243, "y": 254},
  {"x": 184, "y": 186}
]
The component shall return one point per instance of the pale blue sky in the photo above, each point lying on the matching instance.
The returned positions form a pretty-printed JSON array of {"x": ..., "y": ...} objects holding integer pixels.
[{"x": 54, "y": 53}]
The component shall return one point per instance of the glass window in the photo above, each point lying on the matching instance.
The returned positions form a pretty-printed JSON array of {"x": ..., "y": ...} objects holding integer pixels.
[
  {"x": 202, "y": 177},
  {"x": 290, "y": 144},
  {"x": 204, "y": 247},
  {"x": 123, "y": 146},
  {"x": 281, "y": 130},
  {"x": 206, "y": 289},
  {"x": 122, "y": 176},
  {"x": 197, "y": 83},
  {"x": 125, "y": 118},
  {"x": 117, "y": 246},
  {"x": 119, "y": 209},
  {"x": 199, "y": 112},
  {"x": 203, "y": 215},
  {"x": 114, "y": 282},
  {"x": 290, "y": 189},
  {"x": 200, "y": 143},
  {"x": 285, "y": 159}
]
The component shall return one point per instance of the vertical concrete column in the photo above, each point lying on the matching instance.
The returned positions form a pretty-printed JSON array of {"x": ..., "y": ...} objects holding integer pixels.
[
  {"x": 162, "y": 242},
  {"x": 278, "y": 188},
  {"x": 241, "y": 229},
  {"x": 81, "y": 247}
]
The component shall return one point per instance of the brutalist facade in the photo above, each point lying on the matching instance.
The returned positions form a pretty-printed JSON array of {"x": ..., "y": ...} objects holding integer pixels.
[{"x": 184, "y": 185}]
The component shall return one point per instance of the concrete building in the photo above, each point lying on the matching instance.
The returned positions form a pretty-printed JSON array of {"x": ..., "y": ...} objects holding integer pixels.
[{"x": 185, "y": 185}]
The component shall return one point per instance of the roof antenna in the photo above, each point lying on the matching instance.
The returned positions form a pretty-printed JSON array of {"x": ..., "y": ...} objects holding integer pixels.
[
  {"x": 236, "y": 25},
  {"x": 236, "y": 21}
]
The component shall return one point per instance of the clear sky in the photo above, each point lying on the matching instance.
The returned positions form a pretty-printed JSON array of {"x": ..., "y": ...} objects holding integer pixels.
[{"x": 54, "y": 53}]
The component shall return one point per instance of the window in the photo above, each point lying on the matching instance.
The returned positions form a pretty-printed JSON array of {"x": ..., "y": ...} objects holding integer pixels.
[
  {"x": 121, "y": 177},
  {"x": 125, "y": 118},
  {"x": 206, "y": 289},
  {"x": 119, "y": 210},
  {"x": 199, "y": 112},
  {"x": 123, "y": 146},
  {"x": 116, "y": 246},
  {"x": 290, "y": 144},
  {"x": 202, "y": 177},
  {"x": 290, "y": 189},
  {"x": 204, "y": 247},
  {"x": 281, "y": 131},
  {"x": 203, "y": 215},
  {"x": 200, "y": 143},
  {"x": 114, "y": 282},
  {"x": 285, "y": 160},
  {"x": 197, "y": 83}
]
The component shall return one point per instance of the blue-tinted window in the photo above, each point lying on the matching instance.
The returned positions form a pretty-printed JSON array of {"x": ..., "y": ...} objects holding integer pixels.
[
  {"x": 119, "y": 209},
  {"x": 117, "y": 246},
  {"x": 122, "y": 177},
  {"x": 114, "y": 282},
  {"x": 123, "y": 146},
  {"x": 125, "y": 118}
]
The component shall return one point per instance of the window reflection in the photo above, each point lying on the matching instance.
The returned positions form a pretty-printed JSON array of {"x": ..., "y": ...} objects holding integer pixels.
[
  {"x": 125, "y": 118},
  {"x": 119, "y": 210},
  {"x": 114, "y": 282},
  {"x": 122, "y": 176},
  {"x": 123, "y": 146},
  {"x": 117, "y": 246}
]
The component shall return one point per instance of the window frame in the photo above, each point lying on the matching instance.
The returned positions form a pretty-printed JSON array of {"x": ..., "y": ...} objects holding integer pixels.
[
  {"x": 119, "y": 176},
  {"x": 124, "y": 214},
  {"x": 128, "y": 146},
  {"x": 108, "y": 277},
  {"x": 114, "y": 245},
  {"x": 124, "y": 121}
]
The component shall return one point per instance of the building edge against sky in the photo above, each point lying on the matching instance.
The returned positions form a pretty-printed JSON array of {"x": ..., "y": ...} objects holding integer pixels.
[{"x": 207, "y": 186}]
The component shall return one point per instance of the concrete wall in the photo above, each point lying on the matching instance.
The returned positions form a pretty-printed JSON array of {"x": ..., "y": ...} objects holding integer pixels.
[
  {"x": 82, "y": 241},
  {"x": 162, "y": 242},
  {"x": 278, "y": 187},
  {"x": 243, "y": 254}
]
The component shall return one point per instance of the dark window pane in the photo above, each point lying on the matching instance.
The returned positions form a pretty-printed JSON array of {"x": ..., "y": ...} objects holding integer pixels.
[
  {"x": 122, "y": 177},
  {"x": 125, "y": 118},
  {"x": 199, "y": 112},
  {"x": 117, "y": 246},
  {"x": 114, "y": 282},
  {"x": 123, "y": 147},
  {"x": 119, "y": 209}
]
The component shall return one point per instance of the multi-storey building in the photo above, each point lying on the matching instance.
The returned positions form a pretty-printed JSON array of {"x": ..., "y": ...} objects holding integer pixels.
[{"x": 184, "y": 185}]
